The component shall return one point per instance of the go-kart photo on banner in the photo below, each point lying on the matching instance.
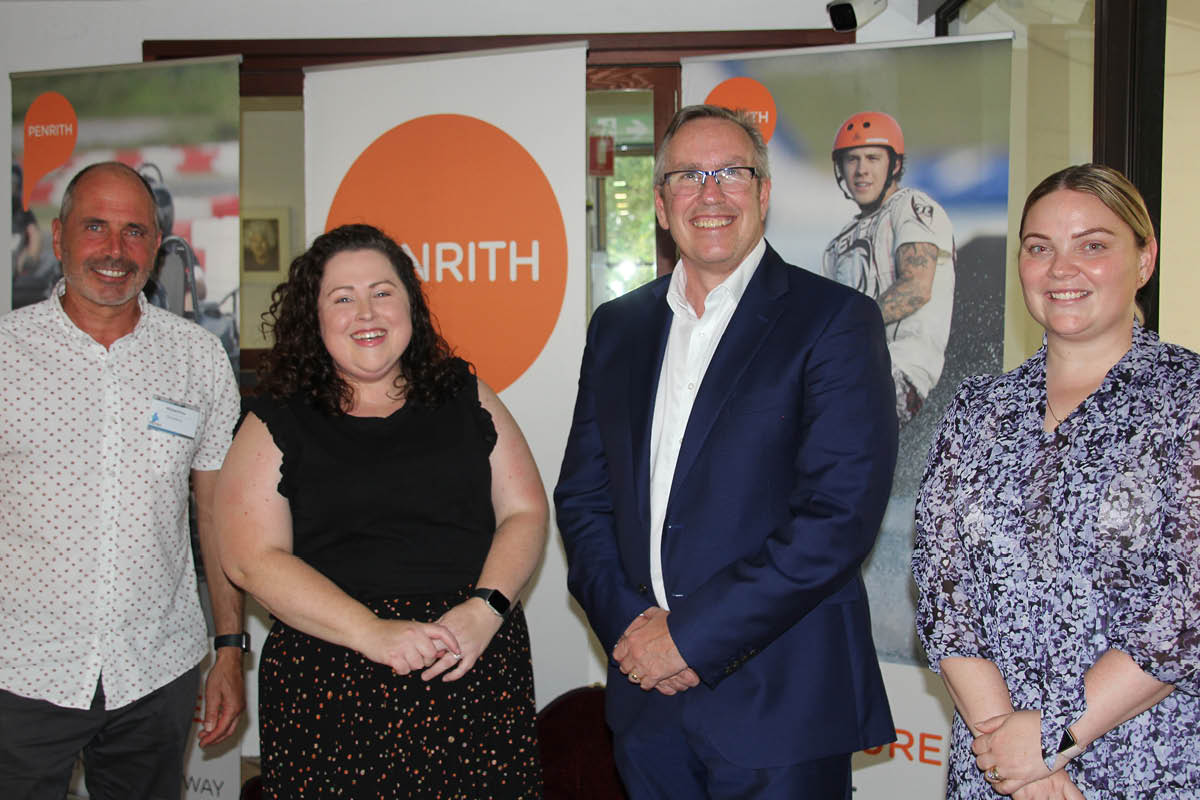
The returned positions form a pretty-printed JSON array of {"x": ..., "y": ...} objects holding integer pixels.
[
  {"x": 472, "y": 163},
  {"x": 176, "y": 124},
  {"x": 889, "y": 167}
]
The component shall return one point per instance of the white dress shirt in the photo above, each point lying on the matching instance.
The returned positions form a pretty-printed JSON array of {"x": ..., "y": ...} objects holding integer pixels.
[
  {"x": 690, "y": 346},
  {"x": 96, "y": 573}
]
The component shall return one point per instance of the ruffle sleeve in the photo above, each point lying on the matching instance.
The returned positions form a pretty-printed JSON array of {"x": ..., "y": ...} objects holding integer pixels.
[
  {"x": 481, "y": 416},
  {"x": 487, "y": 428},
  {"x": 283, "y": 425}
]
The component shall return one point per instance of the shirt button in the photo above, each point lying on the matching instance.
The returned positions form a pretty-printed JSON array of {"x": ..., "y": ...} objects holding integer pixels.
[{"x": 691, "y": 386}]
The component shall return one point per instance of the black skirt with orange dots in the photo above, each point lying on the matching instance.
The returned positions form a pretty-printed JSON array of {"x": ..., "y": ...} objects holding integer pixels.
[{"x": 334, "y": 724}]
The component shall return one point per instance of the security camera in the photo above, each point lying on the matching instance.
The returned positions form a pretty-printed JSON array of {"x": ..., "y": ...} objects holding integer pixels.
[{"x": 850, "y": 15}]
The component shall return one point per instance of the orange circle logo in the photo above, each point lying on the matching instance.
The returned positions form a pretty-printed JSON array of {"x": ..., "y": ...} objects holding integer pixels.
[
  {"x": 747, "y": 94},
  {"x": 51, "y": 129},
  {"x": 478, "y": 217}
]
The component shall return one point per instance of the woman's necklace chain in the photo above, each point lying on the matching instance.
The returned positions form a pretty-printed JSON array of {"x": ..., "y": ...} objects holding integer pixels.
[{"x": 1050, "y": 408}]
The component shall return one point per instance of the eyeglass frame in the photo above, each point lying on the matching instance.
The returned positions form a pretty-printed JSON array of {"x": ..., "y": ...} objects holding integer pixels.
[{"x": 708, "y": 173}]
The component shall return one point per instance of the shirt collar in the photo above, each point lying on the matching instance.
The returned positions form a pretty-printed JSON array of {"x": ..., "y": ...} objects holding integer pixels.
[
  {"x": 60, "y": 289},
  {"x": 732, "y": 288}
]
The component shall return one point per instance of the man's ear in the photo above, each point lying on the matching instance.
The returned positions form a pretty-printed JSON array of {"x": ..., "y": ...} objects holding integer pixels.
[
  {"x": 56, "y": 237},
  {"x": 660, "y": 208}
]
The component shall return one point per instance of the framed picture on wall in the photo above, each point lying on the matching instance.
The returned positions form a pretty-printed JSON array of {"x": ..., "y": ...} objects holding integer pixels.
[{"x": 265, "y": 238}]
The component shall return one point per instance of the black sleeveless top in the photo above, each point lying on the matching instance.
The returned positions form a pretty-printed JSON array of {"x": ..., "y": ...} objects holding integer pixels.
[{"x": 388, "y": 506}]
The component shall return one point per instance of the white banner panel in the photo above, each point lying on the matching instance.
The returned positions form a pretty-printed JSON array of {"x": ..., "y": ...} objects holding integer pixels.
[{"x": 474, "y": 163}]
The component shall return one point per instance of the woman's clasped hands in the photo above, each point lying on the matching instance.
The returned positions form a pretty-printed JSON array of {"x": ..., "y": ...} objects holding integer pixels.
[
  {"x": 407, "y": 646},
  {"x": 1008, "y": 753}
]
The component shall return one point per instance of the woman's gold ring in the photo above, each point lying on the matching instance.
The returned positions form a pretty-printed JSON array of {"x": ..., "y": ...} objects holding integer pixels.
[{"x": 992, "y": 775}]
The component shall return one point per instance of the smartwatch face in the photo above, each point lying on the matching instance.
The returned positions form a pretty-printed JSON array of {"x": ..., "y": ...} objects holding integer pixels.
[
  {"x": 499, "y": 602},
  {"x": 495, "y": 599}
]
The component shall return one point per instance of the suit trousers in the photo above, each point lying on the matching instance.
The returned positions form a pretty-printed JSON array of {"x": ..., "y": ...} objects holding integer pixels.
[
  {"x": 659, "y": 759},
  {"x": 135, "y": 751}
]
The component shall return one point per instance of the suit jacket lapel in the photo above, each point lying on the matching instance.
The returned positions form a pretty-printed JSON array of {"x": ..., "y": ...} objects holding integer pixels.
[
  {"x": 748, "y": 328},
  {"x": 648, "y": 345}
]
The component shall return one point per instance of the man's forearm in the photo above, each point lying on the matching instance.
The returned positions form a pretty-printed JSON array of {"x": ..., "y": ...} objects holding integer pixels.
[
  {"x": 915, "y": 264},
  {"x": 228, "y": 601}
]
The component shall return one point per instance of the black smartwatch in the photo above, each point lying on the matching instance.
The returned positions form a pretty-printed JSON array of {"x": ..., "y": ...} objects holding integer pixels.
[
  {"x": 240, "y": 640},
  {"x": 1065, "y": 745},
  {"x": 497, "y": 602}
]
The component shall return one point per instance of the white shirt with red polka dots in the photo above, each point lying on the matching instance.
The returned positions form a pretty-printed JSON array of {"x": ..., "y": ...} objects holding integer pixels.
[{"x": 96, "y": 572}]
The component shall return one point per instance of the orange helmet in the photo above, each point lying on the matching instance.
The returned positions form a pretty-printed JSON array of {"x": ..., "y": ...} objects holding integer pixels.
[{"x": 870, "y": 128}]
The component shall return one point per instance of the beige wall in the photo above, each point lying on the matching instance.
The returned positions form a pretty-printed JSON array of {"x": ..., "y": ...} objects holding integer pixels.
[
  {"x": 272, "y": 177},
  {"x": 1050, "y": 128},
  {"x": 1179, "y": 286}
]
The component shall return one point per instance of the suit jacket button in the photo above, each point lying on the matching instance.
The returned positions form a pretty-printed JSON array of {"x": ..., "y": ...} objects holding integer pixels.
[{"x": 643, "y": 588}]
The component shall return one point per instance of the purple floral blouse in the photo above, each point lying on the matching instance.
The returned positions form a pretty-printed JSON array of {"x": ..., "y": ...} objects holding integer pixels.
[{"x": 1040, "y": 551}]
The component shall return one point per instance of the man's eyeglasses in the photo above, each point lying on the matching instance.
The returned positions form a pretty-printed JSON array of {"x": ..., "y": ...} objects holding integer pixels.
[{"x": 691, "y": 181}]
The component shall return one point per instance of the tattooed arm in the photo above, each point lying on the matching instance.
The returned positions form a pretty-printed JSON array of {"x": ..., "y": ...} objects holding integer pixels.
[{"x": 916, "y": 263}]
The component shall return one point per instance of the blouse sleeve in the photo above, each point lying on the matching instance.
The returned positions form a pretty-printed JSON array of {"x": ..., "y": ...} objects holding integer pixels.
[
  {"x": 948, "y": 623},
  {"x": 1160, "y": 627}
]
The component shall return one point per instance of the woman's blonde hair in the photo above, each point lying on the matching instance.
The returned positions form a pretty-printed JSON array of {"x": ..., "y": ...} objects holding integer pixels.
[{"x": 1108, "y": 186}]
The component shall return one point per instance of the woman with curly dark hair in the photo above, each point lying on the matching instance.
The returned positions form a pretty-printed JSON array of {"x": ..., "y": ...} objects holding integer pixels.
[{"x": 382, "y": 504}]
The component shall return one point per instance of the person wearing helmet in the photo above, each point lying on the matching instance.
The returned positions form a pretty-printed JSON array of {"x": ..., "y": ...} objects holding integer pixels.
[
  {"x": 899, "y": 249},
  {"x": 29, "y": 285}
]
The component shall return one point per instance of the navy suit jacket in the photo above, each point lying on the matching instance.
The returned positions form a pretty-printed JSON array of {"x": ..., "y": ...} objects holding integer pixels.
[{"x": 783, "y": 475}]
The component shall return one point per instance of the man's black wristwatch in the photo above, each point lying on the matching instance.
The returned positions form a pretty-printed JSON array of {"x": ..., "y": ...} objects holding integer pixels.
[
  {"x": 241, "y": 640},
  {"x": 497, "y": 602}
]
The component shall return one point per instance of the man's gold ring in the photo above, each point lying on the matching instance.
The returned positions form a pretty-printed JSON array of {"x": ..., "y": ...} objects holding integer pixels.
[{"x": 633, "y": 676}]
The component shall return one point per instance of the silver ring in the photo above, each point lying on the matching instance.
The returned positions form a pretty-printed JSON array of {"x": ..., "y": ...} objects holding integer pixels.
[
  {"x": 457, "y": 656},
  {"x": 992, "y": 775}
]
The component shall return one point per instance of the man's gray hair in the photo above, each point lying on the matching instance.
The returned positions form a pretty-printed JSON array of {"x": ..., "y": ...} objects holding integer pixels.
[
  {"x": 740, "y": 118},
  {"x": 68, "y": 199}
]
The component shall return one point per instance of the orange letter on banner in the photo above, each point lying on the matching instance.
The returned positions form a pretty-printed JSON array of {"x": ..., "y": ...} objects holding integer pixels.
[
  {"x": 923, "y": 749},
  {"x": 908, "y": 737},
  {"x": 50, "y": 132}
]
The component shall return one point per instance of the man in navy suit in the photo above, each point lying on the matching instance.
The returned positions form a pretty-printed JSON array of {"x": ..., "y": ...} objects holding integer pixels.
[{"x": 728, "y": 466}]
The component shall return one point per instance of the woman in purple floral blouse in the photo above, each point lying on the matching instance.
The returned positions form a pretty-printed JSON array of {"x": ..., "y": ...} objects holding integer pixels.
[{"x": 1057, "y": 552}]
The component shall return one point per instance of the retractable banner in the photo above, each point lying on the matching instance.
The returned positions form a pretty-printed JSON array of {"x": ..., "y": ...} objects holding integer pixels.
[
  {"x": 931, "y": 124},
  {"x": 177, "y": 124},
  {"x": 474, "y": 164}
]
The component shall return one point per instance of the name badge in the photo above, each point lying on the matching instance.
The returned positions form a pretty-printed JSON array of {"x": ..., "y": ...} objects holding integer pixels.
[{"x": 173, "y": 418}]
